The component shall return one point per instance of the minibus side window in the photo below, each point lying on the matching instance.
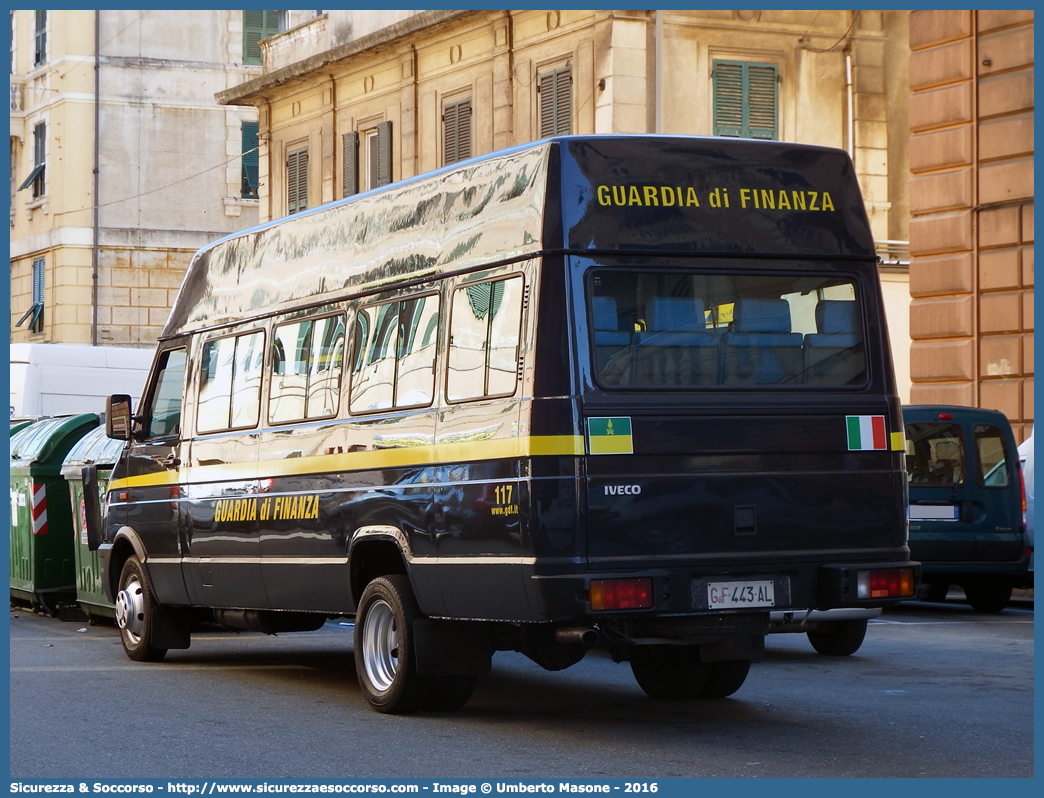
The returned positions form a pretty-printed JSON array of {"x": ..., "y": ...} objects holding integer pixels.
[
  {"x": 935, "y": 454},
  {"x": 306, "y": 369},
  {"x": 485, "y": 325},
  {"x": 993, "y": 465},
  {"x": 230, "y": 383},
  {"x": 394, "y": 355},
  {"x": 164, "y": 414}
]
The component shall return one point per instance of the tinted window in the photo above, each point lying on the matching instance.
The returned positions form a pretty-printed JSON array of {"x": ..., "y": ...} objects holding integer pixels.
[
  {"x": 684, "y": 329},
  {"x": 935, "y": 454},
  {"x": 394, "y": 355},
  {"x": 230, "y": 382},
  {"x": 164, "y": 414},
  {"x": 485, "y": 324},
  {"x": 989, "y": 448},
  {"x": 306, "y": 369}
]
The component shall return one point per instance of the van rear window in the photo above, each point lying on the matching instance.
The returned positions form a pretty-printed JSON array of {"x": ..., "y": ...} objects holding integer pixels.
[
  {"x": 687, "y": 329},
  {"x": 935, "y": 454}
]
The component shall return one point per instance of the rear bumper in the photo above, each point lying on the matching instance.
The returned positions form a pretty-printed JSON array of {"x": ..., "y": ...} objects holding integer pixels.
[{"x": 682, "y": 591}]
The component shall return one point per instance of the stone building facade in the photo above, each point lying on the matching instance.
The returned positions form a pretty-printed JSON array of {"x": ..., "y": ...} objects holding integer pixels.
[
  {"x": 971, "y": 201},
  {"x": 344, "y": 106},
  {"x": 170, "y": 173}
]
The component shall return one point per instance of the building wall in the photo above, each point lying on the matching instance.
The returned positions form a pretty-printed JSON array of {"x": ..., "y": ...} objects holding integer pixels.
[
  {"x": 842, "y": 83},
  {"x": 971, "y": 200},
  {"x": 169, "y": 168}
]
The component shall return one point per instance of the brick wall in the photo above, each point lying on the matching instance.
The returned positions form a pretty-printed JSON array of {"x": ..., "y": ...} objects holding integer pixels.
[{"x": 971, "y": 205}]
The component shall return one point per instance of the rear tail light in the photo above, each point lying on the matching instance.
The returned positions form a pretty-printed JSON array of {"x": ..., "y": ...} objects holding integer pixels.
[
  {"x": 621, "y": 594},
  {"x": 1022, "y": 489},
  {"x": 890, "y": 583}
]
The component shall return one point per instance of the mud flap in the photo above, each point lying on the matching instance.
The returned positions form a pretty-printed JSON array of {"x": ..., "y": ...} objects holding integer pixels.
[
  {"x": 170, "y": 628},
  {"x": 451, "y": 647}
]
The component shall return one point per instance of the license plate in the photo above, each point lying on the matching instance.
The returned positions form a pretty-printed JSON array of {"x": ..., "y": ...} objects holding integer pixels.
[
  {"x": 730, "y": 595},
  {"x": 929, "y": 512}
]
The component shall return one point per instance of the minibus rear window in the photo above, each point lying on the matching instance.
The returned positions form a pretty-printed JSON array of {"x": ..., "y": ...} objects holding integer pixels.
[{"x": 695, "y": 330}]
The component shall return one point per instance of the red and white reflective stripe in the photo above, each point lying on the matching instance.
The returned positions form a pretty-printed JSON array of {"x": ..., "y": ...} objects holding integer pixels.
[{"x": 39, "y": 509}]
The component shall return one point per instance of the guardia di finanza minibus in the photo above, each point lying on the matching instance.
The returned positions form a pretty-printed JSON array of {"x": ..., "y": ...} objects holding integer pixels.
[{"x": 621, "y": 391}]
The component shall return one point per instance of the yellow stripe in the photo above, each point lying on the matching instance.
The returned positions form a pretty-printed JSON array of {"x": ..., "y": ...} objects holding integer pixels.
[
  {"x": 898, "y": 441},
  {"x": 497, "y": 449}
]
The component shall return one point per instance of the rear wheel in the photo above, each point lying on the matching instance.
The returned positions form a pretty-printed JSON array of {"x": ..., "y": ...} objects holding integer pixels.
[
  {"x": 384, "y": 657},
  {"x": 988, "y": 595},
  {"x": 670, "y": 672},
  {"x": 135, "y": 609},
  {"x": 935, "y": 591},
  {"x": 841, "y": 639},
  {"x": 726, "y": 678},
  {"x": 449, "y": 692}
]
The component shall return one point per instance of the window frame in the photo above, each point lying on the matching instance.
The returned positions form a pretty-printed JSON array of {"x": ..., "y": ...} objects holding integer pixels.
[
  {"x": 297, "y": 180},
  {"x": 40, "y": 41},
  {"x": 358, "y": 353},
  {"x": 35, "y": 314},
  {"x": 457, "y": 130},
  {"x": 199, "y": 381},
  {"x": 37, "y": 177},
  {"x": 986, "y": 430},
  {"x": 463, "y": 286},
  {"x": 251, "y": 161},
  {"x": 270, "y": 363},
  {"x": 271, "y": 23},
  {"x": 555, "y": 114},
  {"x": 745, "y": 104}
]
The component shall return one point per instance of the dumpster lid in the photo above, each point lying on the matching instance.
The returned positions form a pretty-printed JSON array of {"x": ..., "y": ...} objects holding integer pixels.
[
  {"x": 44, "y": 440},
  {"x": 94, "y": 448}
]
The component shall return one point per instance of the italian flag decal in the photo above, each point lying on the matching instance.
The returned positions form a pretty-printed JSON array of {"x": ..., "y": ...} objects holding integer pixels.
[{"x": 866, "y": 433}]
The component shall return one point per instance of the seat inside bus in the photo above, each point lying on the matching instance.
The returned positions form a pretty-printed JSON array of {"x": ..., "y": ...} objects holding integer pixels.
[{"x": 759, "y": 347}]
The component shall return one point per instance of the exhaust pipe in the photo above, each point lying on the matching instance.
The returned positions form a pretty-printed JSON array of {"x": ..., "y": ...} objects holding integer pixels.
[{"x": 585, "y": 637}]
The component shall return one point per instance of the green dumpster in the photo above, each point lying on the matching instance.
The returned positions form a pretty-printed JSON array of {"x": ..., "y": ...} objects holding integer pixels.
[
  {"x": 19, "y": 424},
  {"x": 93, "y": 449},
  {"x": 42, "y": 557}
]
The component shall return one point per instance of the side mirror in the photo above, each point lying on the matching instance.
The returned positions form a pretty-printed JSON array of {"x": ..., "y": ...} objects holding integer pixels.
[
  {"x": 118, "y": 417},
  {"x": 92, "y": 507}
]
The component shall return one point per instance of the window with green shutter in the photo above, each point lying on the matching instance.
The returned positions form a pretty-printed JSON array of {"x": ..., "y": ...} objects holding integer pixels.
[
  {"x": 556, "y": 102},
  {"x": 40, "y": 56},
  {"x": 297, "y": 180},
  {"x": 36, "y": 176},
  {"x": 250, "y": 160},
  {"x": 456, "y": 131},
  {"x": 35, "y": 313},
  {"x": 746, "y": 100},
  {"x": 257, "y": 25}
]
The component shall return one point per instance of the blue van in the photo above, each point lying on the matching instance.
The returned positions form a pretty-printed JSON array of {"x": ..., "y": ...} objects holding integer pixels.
[{"x": 967, "y": 503}]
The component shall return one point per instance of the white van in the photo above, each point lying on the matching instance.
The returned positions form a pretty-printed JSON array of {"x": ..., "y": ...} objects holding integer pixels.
[{"x": 56, "y": 379}]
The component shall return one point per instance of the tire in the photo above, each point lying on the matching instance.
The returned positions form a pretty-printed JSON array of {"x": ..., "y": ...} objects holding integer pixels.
[
  {"x": 842, "y": 639},
  {"x": 384, "y": 659},
  {"x": 935, "y": 591},
  {"x": 670, "y": 672},
  {"x": 988, "y": 595},
  {"x": 135, "y": 608},
  {"x": 726, "y": 678},
  {"x": 449, "y": 693}
]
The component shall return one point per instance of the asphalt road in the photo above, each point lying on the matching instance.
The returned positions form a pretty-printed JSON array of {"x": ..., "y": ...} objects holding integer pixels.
[{"x": 936, "y": 690}]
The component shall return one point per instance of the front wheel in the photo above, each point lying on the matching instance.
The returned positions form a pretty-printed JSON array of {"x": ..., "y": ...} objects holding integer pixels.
[
  {"x": 135, "y": 611},
  {"x": 841, "y": 639},
  {"x": 384, "y": 656}
]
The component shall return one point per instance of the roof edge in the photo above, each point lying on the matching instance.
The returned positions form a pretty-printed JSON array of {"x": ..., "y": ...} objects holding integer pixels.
[{"x": 242, "y": 94}]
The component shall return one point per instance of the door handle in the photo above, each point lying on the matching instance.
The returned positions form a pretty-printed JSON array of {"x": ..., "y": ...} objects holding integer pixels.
[{"x": 171, "y": 460}]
